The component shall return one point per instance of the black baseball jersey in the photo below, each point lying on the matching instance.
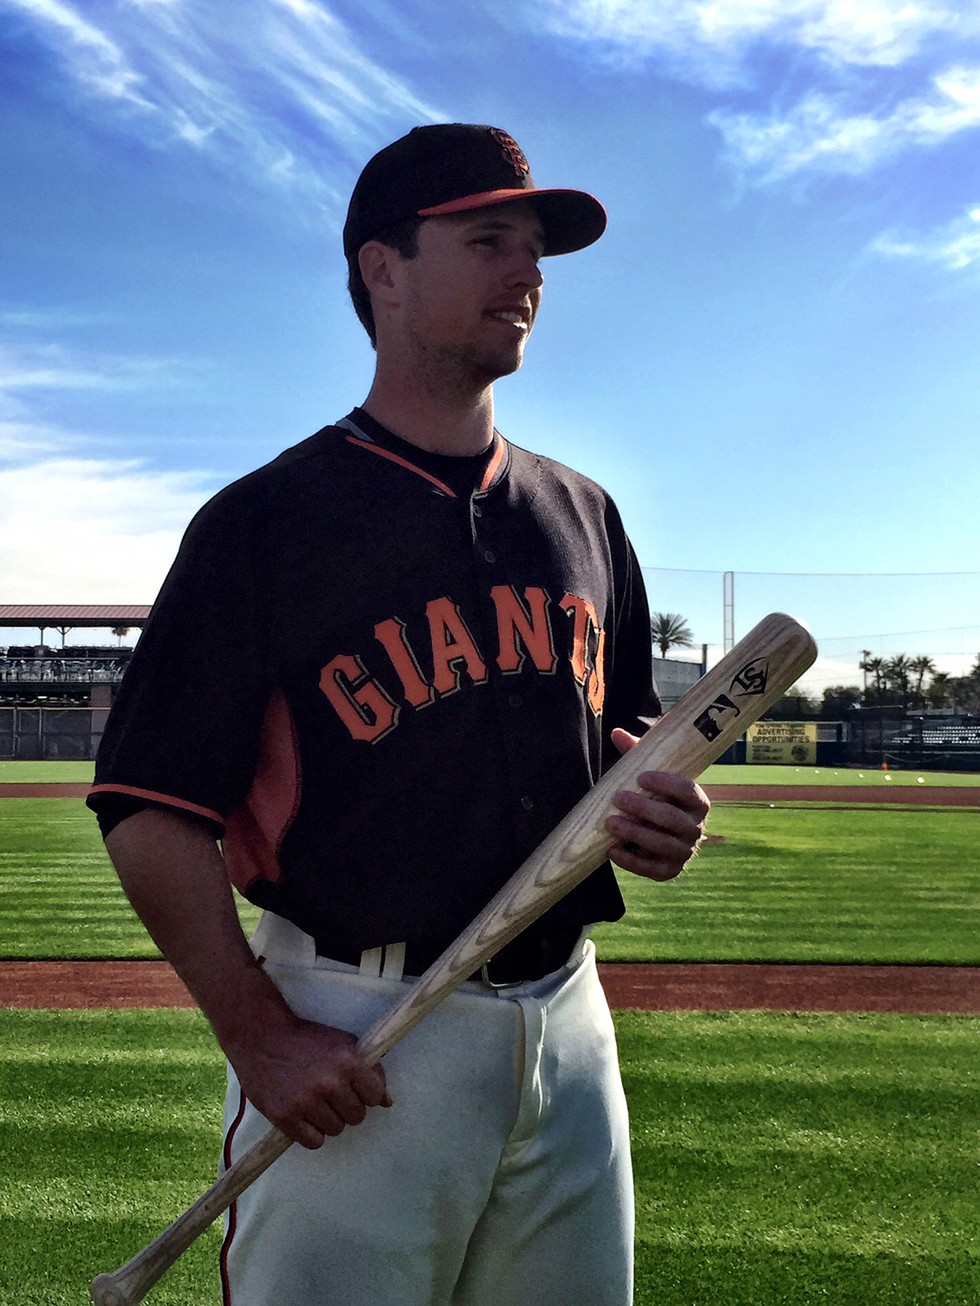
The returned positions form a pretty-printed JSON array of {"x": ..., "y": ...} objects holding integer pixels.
[{"x": 384, "y": 688}]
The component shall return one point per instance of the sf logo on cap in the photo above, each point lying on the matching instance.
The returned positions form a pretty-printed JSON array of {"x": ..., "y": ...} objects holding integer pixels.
[{"x": 512, "y": 152}]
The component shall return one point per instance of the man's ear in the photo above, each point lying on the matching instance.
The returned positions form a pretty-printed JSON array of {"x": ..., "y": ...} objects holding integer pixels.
[{"x": 376, "y": 262}]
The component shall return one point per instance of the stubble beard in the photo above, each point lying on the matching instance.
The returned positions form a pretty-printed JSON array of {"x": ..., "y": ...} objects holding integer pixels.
[{"x": 464, "y": 370}]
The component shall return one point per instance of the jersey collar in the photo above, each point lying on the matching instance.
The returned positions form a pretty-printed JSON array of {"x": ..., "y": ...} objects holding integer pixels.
[{"x": 367, "y": 434}]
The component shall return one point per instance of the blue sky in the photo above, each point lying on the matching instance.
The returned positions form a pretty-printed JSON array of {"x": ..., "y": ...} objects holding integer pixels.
[{"x": 770, "y": 359}]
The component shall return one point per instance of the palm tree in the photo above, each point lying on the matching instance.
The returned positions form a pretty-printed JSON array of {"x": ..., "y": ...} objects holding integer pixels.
[
  {"x": 920, "y": 668},
  {"x": 670, "y": 630},
  {"x": 897, "y": 673},
  {"x": 876, "y": 666}
]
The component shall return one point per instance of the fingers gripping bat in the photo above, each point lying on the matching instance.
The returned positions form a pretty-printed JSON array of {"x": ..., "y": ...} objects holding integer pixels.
[{"x": 697, "y": 730}]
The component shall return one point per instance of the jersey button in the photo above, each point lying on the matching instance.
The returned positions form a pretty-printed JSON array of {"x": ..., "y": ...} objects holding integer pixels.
[
  {"x": 515, "y": 700},
  {"x": 477, "y": 510},
  {"x": 489, "y": 556},
  {"x": 527, "y": 803}
]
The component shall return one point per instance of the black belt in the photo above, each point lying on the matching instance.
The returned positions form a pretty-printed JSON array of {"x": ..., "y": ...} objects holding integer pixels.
[{"x": 522, "y": 961}]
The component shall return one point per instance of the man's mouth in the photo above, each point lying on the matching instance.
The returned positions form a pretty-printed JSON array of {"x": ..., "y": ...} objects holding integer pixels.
[{"x": 515, "y": 316}]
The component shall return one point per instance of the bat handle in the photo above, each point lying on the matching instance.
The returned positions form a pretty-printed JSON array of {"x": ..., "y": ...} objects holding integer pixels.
[{"x": 128, "y": 1285}]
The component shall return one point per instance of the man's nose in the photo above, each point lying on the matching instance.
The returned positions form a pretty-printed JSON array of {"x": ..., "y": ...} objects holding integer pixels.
[{"x": 525, "y": 271}]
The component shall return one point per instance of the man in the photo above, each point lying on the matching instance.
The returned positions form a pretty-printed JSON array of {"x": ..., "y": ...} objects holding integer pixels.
[{"x": 380, "y": 671}]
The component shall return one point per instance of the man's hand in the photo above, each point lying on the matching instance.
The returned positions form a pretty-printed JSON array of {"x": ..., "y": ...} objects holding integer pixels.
[
  {"x": 658, "y": 827},
  {"x": 308, "y": 1079}
]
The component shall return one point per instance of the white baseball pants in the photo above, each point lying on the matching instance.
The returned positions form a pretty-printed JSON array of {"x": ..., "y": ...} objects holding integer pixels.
[{"x": 500, "y": 1177}]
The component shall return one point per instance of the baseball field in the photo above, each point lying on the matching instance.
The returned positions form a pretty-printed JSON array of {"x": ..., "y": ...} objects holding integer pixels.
[{"x": 826, "y": 1153}]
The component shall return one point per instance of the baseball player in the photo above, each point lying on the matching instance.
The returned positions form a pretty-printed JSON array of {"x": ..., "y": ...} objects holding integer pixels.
[{"x": 380, "y": 671}]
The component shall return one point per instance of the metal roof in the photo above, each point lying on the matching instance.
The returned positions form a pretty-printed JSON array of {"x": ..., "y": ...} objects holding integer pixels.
[{"x": 73, "y": 615}]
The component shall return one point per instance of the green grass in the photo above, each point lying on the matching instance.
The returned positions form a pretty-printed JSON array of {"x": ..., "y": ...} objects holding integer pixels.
[
  {"x": 787, "y": 884},
  {"x": 825, "y": 885},
  {"x": 861, "y": 777},
  {"x": 59, "y": 896},
  {"x": 802, "y": 1160},
  {"x": 110, "y": 1123},
  {"x": 46, "y": 772}
]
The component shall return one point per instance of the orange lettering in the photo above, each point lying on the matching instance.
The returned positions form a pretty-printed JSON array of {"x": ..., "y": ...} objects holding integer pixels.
[
  {"x": 588, "y": 648},
  {"x": 532, "y": 627},
  {"x": 452, "y": 644},
  {"x": 391, "y": 634},
  {"x": 364, "y": 707}
]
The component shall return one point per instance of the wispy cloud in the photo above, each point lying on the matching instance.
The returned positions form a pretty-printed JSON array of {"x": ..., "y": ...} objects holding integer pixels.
[
  {"x": 861, "y": 80},
  {"x": 823, "y": 133},
  {"x": 50, "y": 365},
  {"x": 274, "y": 94},
  {"x": 955, "y": 246},
  {"x": 713, "y": 42}
]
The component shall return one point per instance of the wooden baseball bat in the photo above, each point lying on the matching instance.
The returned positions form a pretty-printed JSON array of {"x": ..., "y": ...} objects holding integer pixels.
[{"x": 697, "y": 730}]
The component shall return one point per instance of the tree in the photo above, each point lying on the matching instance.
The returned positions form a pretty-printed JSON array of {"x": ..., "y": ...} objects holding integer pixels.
[
  {"x": 897, "y": 677},
  {"x": 940, "y": 689},
  {"x": 921, "y": 667},
  {"x": 670, "y": 630},
  {"x": 876, "y": 666},
  {"x": 839, "y": 698},
  {"x": 792, "y": 707},
  {"x": 965, "y": 690}
]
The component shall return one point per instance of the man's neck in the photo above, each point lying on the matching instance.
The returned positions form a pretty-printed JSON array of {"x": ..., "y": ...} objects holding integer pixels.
[{"x": 449, "y": 424}]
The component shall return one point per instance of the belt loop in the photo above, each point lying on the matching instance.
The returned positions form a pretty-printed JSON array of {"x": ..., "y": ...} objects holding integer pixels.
[
  {"x": 394, "y": 961},
  {"x": 281, "y": 942},
  {"x": 371, "y": 962}
]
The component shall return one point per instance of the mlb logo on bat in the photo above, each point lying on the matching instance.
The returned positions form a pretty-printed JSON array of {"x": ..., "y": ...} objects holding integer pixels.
[
  {"x": 748, "y": 682},
  {"x": 716, "y": 716}
]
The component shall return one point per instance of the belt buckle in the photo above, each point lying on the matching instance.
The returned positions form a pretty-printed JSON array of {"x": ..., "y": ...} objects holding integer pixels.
[{"x": 494, "y": 984}]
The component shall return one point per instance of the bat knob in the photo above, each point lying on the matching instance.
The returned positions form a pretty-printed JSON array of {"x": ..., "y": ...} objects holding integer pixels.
[{"x": 105, "y": 1291}]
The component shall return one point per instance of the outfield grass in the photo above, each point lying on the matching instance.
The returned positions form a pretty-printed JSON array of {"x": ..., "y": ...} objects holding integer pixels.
[
  {"x": 825, "y": 885},
  {"x": 110, "y": 1123},
  {"x": 36, "y": 773},
  {"x": 800, "y": 1160},
  {"x": 59, "y": 896},
  {"x": 786, "y": 884},
  {"x": 779, "y": 1159},
  {"x": 82, "y": 772},
  {"x": 835, "y": 777}
]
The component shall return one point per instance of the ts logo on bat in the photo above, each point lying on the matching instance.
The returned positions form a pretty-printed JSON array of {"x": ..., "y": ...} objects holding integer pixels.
[
  {"x": 753, "y": 677},
  {"x": 749, "y": 682}
]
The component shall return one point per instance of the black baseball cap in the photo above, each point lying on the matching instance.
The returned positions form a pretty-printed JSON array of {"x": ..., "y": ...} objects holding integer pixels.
[{"x": 453, "y": 168}]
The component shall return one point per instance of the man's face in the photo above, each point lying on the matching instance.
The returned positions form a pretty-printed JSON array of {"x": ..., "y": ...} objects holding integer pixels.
[{"x": 471, "y": 293}]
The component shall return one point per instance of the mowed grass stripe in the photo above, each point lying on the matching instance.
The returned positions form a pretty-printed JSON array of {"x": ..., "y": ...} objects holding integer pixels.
[
  {"x": 837, "y": 777},
  {"x": 111, "y": 1126},
  {"x": 880, "y": 886},
  {"x": 779, "y": 1159},
  {"x": 15, "y": 772},
  {"x": 59, "y": 895},
  {"x": 826, "y": 885},
  {"x": 804, "y": 1159}
]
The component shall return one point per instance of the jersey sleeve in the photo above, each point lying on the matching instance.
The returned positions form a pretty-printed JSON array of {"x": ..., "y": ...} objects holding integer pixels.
[
  {"x": 184, "y": 730},
  {"x": 633, "y": 700}
]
